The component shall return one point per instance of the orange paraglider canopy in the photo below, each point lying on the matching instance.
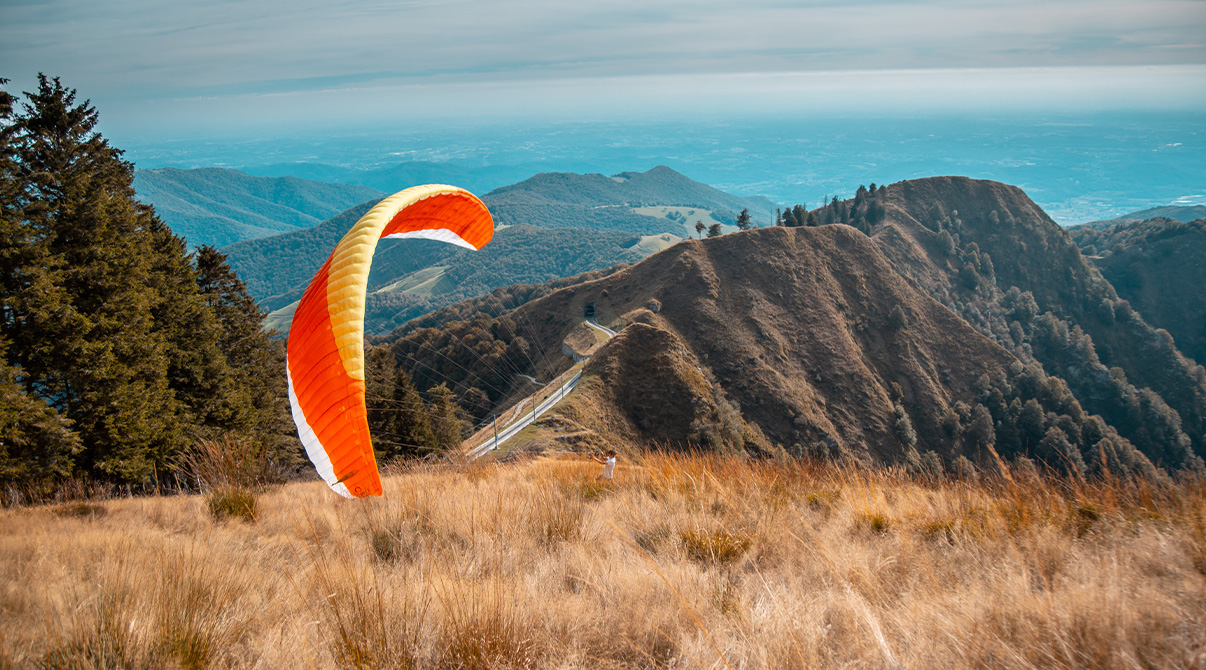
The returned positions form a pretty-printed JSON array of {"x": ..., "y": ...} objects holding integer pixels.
[{"x": 326, "y": 339}]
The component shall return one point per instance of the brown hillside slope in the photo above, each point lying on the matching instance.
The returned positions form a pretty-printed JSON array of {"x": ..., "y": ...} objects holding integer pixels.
[
  {"x": 1159, "y": 266},
  {"x": 1029, "y": 250},
  {"x": 823, "y": 340},
  {"x": 804, "y": 330},
  {"x": 1004, "y": 247}
]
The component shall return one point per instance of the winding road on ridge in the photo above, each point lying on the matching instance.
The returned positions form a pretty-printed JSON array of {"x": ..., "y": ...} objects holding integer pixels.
[
  {"x": 595, "y": 324},
  {"x": 557, "y": 395}
]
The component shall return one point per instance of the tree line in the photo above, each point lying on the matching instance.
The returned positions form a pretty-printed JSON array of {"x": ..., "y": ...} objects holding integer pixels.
[
  {"x": 401, "y": 421},
  {"x": 864, "y": 211},
  {"x": 120, "y": 346}
]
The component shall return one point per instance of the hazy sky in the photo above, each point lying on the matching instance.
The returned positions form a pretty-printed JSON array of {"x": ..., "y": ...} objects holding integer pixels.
[{"x": 163, "y": 63}]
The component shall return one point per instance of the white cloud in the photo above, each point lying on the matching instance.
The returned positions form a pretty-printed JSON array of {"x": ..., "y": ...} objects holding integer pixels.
[{"x": 136, "y": 52}]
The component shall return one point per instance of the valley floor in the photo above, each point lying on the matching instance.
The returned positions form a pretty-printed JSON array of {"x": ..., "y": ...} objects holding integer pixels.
[{"x": 682, "y": 561}]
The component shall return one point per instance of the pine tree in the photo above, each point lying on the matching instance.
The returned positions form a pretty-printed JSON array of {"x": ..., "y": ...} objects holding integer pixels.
[
  {"x": 1059, "y": 453},
  {"x": 875, "y": 212},
  {"x": 946, "y": 244},
  {"x": 378, "y": 391},
  {"x": 110, "y": 322},
  {"x": 13, "y": 236},
  {"x": 198, "y": 373},
  {"x": 255, "y": 362},
  {"x": 1031, "y": 424},
  {"x": 980, "y": 431},
  {"x": 714, "y": 230},
  {"x": 931, "y": 463},
  {"x": 964, "y": 469},
  {"x": 743, "y": 220},
  {"x": 36, "y": 445},
  {"x": 412, "y": 421},
  {"x": 700, "y": 228},
  {"x": 897, "y": 318},
  {"x": 445, "y": 423},
  {"x": 950, "y": 423},
  {"x": 902, "y": 427},
  {"x": 398, "y": 418},
  {"x": 801, "y": 215},
  {"x": 79, "y": 313}
]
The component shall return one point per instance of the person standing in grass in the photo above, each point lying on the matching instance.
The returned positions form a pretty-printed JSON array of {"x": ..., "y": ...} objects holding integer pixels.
[{"x": 609, "y": 465}]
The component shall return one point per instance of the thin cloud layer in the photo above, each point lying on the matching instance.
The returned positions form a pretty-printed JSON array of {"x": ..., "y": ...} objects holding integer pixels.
[{"x": 176, "y": 54}]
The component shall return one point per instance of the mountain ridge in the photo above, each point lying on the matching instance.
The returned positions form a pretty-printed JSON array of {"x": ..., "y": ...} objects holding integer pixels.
[
  {"x": 1049, "y": 306},
  {"x": 1178, "y": 213},
  {"x": 277, "y": 268},
  {"x": 219, "y": 206},
  {"x": 1158, "y": 266},
  {"x": 658, "y": 185},
  {"x": 474, "y": 178},
  {"x": 880, "y": 374}
]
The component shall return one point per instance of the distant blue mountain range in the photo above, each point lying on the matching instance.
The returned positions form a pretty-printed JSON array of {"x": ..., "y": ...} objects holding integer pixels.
[{"x": 218, "y": 206}]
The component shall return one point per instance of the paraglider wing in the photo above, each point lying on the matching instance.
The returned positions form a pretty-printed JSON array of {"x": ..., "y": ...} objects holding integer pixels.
[{"x": 326, "y": 340}]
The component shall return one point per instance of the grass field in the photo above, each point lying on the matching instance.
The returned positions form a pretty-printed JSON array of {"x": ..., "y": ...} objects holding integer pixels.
[
  {"x": 426, "y": 282},
  {"x": 651, "y": 244},
  {"x": 682, "y": 561},
  {"x": 282, "y": 318},
  {"x": 687, "y": 215}
]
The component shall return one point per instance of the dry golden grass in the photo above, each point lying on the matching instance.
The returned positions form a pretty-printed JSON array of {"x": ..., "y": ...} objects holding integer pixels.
[{"x": 682, "y": 561}]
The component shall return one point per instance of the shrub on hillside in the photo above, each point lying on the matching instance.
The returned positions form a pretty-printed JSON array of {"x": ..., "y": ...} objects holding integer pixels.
[
  {"x": 233, "y": 501},
  {"x": 231, "y": 471},
  {"x": 229, "y": 461}
]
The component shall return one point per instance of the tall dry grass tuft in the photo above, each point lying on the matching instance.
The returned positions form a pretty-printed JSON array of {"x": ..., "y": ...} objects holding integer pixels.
[
  {"x": 197, "y": 609},
  {"x": 232, "y": 501},
  {"x": 559, "y": 513},
  {"x": 718, "y": 546},
  {"x": 364, "y": 620},
  {"x": 231, "y": 470},
  {"x": 486, "y": 627},
  {"x": 81, "y": 509},
  {"x": 682, "y": 561},
  {"x": 101, "y": 633},
  {"x": 228, "y": 461},
  {"x": 75, "y": 489},
  {"x": 170, "y": 609}
]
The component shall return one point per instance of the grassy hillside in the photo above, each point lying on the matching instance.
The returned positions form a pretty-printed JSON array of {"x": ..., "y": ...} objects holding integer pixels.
[
  {"x": 583, "y": 223},
  {"x": 886, "y": 347},
  {"x": 687, "y": 217},
  {"x": 618, "y": 218},
  {"x": 405, "y": 282},
  {"x": 801, "y": 341},
  {"x": 216, "y": 206},
  {"x": 271, "y": 266},
  {"x": 553, "y": 199},
  {"x": 658, "y": 186},
  {"x": 389, "y": 179},
  {"x": 1159, "y": 267},
  {"x": 680, "y": 562},
  {"x": 519, "y": 254},
  {"x": 990, "y": 254},
  {"x": 1178, "y": 213}
]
